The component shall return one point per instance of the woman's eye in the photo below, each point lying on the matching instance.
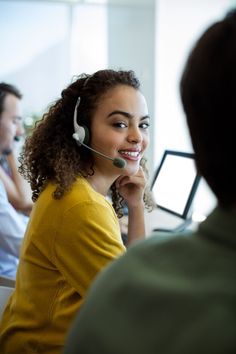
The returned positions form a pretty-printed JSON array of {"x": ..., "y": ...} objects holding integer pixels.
[
  {"x": 144, "y": 125},
  {"x": 120, "y": 125}
]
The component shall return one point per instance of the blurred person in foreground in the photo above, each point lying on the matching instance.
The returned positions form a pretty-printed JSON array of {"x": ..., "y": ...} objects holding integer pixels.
[{"x": 178, "y": 294}]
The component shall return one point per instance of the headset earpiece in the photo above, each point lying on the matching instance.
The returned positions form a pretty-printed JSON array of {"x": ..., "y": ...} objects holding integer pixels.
[{"x": 81, "y": 134}]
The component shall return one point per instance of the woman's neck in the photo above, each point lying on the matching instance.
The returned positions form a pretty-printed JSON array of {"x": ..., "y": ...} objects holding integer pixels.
[{"x": 100, "y": 183}]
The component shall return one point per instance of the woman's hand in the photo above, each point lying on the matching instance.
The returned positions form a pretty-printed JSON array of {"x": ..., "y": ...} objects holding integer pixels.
[{"x": 131, "y": 188}]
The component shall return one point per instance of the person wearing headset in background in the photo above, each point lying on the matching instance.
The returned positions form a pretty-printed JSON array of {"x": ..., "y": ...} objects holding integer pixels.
[
  {"x": 177, "y": 294},
  {"x": 12, "y": 222},
  {"x": 15, "y": 185},
  {"x": 73, "y": 231}
]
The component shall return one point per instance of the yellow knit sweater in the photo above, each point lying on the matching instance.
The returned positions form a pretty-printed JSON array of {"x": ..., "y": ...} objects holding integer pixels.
[{"x": 68, "y": 241}]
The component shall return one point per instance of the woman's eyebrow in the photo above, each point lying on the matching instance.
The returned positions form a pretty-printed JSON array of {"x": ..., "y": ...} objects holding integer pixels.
[
  {"x": 125, "y": 114},
  {"x": 145, "y": 117}
]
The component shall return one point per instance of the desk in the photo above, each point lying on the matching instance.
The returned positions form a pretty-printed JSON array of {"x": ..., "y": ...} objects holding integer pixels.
[{"x": 163, "y": 220}]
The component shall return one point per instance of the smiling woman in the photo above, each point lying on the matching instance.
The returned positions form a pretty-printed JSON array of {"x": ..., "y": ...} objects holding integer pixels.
[{"x": 74, "y": 231}]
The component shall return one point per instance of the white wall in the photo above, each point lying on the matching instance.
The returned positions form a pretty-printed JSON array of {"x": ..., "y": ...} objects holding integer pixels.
[
  {"x": 34, "y": 50},
  {"x": 47, "y": 44},
  {"x": 178, "y": 25},
  {"x": 131, "y": 45},
  {"x": 89, "y": 38}
]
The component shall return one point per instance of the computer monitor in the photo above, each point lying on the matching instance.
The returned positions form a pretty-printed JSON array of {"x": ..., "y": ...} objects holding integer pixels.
[{"x": 175, "y": 183}]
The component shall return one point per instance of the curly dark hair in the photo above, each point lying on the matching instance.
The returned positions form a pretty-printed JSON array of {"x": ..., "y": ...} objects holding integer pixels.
[{"x": 51, "y": 154}]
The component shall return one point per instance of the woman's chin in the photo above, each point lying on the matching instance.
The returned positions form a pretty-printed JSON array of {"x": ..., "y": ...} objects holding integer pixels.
[{"x": 131, "y": 169}]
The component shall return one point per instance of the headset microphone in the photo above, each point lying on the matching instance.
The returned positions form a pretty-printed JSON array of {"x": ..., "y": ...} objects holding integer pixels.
[
  {"x": 118, "y": 162},
  {"x": 81, "y": 135}
]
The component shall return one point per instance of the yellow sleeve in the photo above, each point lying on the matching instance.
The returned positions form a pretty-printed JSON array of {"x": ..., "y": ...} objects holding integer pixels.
[{"x": 88, "y": 238}]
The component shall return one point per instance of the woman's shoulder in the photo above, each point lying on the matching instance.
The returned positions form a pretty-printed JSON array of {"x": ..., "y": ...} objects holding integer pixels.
[
  {"x": 83, "y": 191},
  {"x": 80, "y": 192},
  {"x": 81, "y": 196}
]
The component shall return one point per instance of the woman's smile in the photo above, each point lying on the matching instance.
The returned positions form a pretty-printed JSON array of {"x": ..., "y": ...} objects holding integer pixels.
[{"x": 131, "y": 154}]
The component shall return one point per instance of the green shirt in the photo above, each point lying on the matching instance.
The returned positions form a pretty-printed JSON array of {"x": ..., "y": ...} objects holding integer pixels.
[{"x": 165, "y": 295}]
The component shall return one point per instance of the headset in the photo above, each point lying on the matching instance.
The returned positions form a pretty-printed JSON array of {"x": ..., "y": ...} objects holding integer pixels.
[{"x": 81, "y": 134}]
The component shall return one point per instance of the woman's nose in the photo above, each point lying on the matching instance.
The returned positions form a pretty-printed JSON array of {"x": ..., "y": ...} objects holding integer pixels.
[
  {"x": 20, "y": 129},
  {"x": 134, "y": 135}
]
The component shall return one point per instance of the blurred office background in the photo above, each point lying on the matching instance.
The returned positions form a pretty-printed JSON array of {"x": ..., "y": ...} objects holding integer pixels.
[{"x": 44, "y": 43}]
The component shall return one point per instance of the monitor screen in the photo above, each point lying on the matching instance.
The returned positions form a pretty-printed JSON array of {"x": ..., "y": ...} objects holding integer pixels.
[{"x": 175, "y": 182}]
